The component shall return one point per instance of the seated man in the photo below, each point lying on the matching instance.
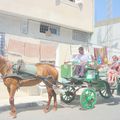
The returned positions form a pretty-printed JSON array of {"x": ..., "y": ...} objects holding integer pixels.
[{"x": 81, "y": 59}]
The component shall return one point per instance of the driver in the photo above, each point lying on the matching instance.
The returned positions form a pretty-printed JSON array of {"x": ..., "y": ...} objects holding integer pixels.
[{"x": 81, "y": 59}]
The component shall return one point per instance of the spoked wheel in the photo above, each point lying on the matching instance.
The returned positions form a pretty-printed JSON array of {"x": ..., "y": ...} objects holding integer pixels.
[
  {"x": 105, "y": 90},
  {"x": 68, "y": 94},
  {"x": 112, "y": 91},
  {"x": 88, "y": 99},
  {"x": 118, "y": 89},
  {"x": 112, "y": 88},
  {"x": 115, "y": 86}
]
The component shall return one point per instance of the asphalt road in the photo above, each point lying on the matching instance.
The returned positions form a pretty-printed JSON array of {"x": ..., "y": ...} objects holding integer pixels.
[{"x": 104, "y": 110}]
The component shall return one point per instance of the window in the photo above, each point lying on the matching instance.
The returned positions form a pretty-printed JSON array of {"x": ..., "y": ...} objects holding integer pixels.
[
  {"x": 72, "y": 0},
  {"x": 54, "y": 29},
  {"x": 80, "y": 36},
  {"x": 69, "y": 3},
  {"x": 43, "y": 28}
]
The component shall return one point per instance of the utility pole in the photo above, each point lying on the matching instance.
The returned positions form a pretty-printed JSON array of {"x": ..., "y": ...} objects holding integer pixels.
[{"x": 109, "y": 25}]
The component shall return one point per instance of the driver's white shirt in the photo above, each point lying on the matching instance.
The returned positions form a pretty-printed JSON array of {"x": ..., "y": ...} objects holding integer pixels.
[{"x": 81, "y": 58}]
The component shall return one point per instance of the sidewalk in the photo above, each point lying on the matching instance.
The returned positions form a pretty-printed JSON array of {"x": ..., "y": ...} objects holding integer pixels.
[{"x": 24, "y": 99}]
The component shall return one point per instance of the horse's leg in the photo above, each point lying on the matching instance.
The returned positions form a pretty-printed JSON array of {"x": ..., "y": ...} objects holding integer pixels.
[
  {"x": 12, "y": 91},
  {"x": 51, "y": 93},
  {"x": 55, "y": 100},
  {"x": 8, "y": 89},
  {"x": 49, "y": 99}
]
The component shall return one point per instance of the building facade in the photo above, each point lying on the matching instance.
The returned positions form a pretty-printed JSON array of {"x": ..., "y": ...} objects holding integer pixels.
[
  {"x": 66, "y": 21},
  {"x": 107, "y": 34},
  {"x": 61, "y": 21}
]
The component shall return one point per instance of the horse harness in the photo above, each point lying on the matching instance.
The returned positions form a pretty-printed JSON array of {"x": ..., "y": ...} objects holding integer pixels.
[{"x": 22, "y": 75}]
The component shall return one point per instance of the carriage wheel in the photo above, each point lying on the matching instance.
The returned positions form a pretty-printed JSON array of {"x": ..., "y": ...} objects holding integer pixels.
[
  {"x": 88, "y": 99},
  {"x": 68, "y": 95},
  {"x": 118, "y": 89},
  {"x": 105, "y": 90},
  {"x": 112, "y": 91}
]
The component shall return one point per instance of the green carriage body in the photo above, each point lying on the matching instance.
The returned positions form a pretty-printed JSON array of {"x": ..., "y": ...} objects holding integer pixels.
[
  {"x": 91, "y": 77},
  {"x": 67, "y": 71}
]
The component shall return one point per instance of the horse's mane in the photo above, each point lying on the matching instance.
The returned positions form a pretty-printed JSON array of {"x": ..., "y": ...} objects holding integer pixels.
[
  {"x": 2, "y": 61},
  {"x": 4, "y": 64},
  {"x": 37, "y": 64}
]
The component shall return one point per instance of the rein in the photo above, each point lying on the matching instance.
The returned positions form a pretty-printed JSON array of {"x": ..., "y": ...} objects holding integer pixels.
[{"x": 46, "y": 81}]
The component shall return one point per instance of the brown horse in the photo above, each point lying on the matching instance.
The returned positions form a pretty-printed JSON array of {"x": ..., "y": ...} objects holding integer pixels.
[{"x": 13, "y": 83}]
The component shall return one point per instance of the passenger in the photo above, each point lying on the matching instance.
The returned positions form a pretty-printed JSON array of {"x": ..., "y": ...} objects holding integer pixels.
[
  {"x": 113, "y": 71},
  {"x": 118, "y": 67}
]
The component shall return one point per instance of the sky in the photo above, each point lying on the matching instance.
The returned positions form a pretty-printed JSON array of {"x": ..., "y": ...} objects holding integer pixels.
[{"x": 101, "y": 9}]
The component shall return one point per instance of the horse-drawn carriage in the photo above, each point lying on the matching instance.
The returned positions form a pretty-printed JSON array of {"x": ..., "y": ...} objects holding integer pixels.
[
  {"x": 28, "y": 75},
  {"x": 91, "y": 82}
]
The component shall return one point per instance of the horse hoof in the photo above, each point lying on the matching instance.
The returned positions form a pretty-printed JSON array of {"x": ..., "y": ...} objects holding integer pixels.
[
  {"x": 13, "y": 114},
  {"x": 45, "y": 110},
  {"x": 54, "y": 109},
  {"x": 81, "y": 108}
]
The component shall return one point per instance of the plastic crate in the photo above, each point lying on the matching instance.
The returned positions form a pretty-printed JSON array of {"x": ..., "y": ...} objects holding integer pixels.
[
  {"x": 66, "y": 71},
  {"x": 91, "y": 75}
]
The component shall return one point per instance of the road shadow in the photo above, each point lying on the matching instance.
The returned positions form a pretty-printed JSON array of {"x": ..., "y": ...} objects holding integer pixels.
[
  {"x": 19, "y": 106},
  {"x": 113, "y": 100},
  {"x": 39, "y": 105},
  {"x": 22, "y": 107},
  {"x": 25, "y": 106}
]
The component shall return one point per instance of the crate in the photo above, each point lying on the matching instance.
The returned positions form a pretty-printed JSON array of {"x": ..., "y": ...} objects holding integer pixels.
[
  {"x": 91, "y": 75},
  {"x": 66, "y": 71}
]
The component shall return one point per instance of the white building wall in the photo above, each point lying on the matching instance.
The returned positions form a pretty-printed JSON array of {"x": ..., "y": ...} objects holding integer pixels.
[
  {"x": 60, "y": 12},
  {"x": 31, "y": 28}
]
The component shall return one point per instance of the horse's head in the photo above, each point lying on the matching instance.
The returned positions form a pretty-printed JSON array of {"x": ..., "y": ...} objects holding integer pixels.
[{"x": 5, "y": 66}]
